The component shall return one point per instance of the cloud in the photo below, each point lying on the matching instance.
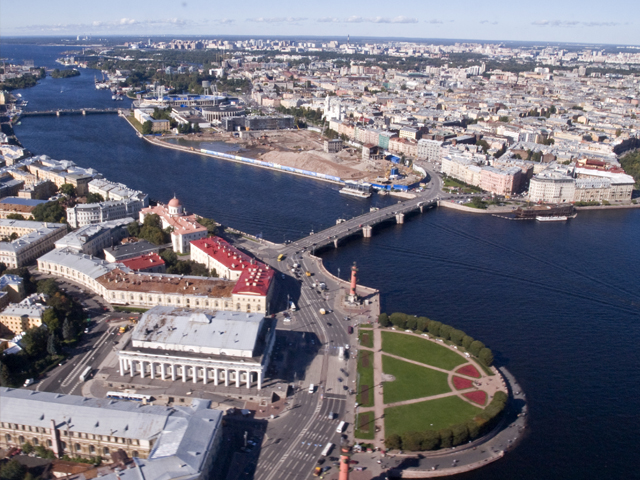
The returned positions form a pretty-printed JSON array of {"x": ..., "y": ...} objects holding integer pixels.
[
  {"x": 224, "y": 21},
  {"x": 357, "y": 19},
  {"x": 116, "y": 26},
  {"x": 488, "y": 22},
  {"x": 434, "y": 21},
  {"x": 573, "y": 23},
  {"x": 277, "y": 19}
]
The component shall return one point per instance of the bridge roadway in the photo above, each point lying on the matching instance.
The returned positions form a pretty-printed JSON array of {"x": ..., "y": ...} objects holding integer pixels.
[
  {"x": 364, "y": 223},
  {"x": 70, "y": 111}
]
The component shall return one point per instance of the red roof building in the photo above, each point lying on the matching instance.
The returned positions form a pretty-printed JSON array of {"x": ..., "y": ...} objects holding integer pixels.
[
  {"x": 254, "y": 286},
  {"x": 149, "y": 262}
]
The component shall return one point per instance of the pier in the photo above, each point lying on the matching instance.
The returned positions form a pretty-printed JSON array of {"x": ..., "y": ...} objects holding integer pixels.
[
  {"x": 362, "y": 224},
  {"x": 70, "y": 111}
]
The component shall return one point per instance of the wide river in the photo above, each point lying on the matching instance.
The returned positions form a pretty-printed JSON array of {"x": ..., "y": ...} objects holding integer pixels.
[{"x": 558, "y": 303}]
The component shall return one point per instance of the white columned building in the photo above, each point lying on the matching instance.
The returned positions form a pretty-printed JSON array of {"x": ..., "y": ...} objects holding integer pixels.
[{"x": 191, "y": 345}]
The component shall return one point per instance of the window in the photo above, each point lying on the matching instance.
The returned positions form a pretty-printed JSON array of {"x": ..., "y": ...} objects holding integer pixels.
[
  {"x": 35, "y": 441},
  {"x": 49, "y": 443},
  {"x": 105, "y": 451},
  {"x": 78, "y": 447},
  {"x": 92, "y": 449},
  {"x": 7, "y": 437}
]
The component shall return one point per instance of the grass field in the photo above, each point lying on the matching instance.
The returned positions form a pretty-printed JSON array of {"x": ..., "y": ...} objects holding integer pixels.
[
  {"x": 366, "y": 338},
  {"x": 412, "y": 381},
  {"x": 420, "y": 350},
  {"x": 365, "y": 378},
  {"x": 429, "y": 415},
  {"x": 365, "y": 427}
]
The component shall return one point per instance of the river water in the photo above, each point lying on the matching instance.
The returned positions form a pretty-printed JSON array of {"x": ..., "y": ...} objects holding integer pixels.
[{"x": 558, "y": 303}]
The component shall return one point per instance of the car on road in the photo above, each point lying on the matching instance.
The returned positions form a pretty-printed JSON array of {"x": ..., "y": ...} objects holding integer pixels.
[{"x": 27, "y": 382}]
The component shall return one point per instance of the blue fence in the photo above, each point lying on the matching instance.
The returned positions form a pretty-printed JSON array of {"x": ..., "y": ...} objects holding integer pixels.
[{"x": 274, "y": 165}]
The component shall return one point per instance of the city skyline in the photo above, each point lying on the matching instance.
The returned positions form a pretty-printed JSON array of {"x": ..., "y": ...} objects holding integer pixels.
[{"x": 497, "y": 20}]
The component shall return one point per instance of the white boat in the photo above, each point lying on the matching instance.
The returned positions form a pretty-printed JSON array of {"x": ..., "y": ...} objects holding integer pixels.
[
  {"x": 556, "y": 218},
  {"x": 360, "y": 190}
]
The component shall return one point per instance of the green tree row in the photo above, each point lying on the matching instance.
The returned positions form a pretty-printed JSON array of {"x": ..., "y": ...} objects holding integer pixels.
[
  {"x": 441, "y": 330},
  {"x": 185, "y": 267},
  {"x": 631, "y": 164},
  {"x": 453, "y": 436},
  {"x": 67, "y": 73},
  {"x": 42, "y": 346}
]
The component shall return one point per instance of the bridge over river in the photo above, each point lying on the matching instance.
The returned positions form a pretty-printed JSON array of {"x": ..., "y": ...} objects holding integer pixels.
[
  {"x": 364, "y": 224},
  {"x": 70, "y": 111}
]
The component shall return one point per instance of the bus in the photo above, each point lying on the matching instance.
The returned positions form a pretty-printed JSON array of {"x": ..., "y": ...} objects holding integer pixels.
[
  {"x": 281, "y": 257},
  {"x": 136, "y": 397},
  {"x": 86, "y": 373},
  {"x": 327, "y": 449}
]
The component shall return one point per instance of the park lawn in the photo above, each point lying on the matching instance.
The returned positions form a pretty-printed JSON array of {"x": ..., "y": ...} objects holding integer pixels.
[
  {"x": 428, "y": 415},
  {"x": 412, "y": 381},
  {"x": 421, "y": 350},
  {"x": 365, "y": 420},
  {"x": 365, "y": 379},
  {"x": 366, "y": 338}
]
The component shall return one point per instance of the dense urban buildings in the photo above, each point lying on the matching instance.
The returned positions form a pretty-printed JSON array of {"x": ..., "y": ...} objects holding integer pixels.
[{"x": 81, "y": 427}]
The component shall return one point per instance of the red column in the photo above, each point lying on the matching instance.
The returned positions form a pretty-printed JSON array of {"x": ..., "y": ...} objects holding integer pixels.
[
  {"x": 344, "y": 465},
  {"x": 354, "y": 278}
]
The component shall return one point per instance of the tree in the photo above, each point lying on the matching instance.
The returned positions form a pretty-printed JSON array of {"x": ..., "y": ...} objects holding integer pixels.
[
  {"x": 49, "y": 212},
  {"x": 34, "y": 341},
  {"x": 52, "y": 345},
  {"x": 412, "y": 322},
  {"x": 94, "y": 198},
  {"x": 486, "y": 356},
  {"x": 467, "y": 341},
  {"x": 445, "y": 331},
  {"x": 393, "y": 442},
  {"x": 15, "y": 216},
  {"x": 5, "y": 374},
  {"x": 211, "y": 224},
  {"x": 68, "y": 189},
  {"x": 422, "y": 324},
  {"x": 383, "y": 320},
  {"x": 50, "y": 319},
  {"x": 434, "y": 327},
  {"x": 430, "y": 440},
  {"x": 134, "y": 229},
  {"x": 460, "y": 434},
  {"x": 196, "y": 128},
  {"x": 473, "y": 428},
  {"x": 146, "y": 127},
  {"x": 475, "y": 347},
  {"x": 27, "y": 448},
  {"x": 67, "y": 329},
  {"x": 446, "y": 438},
  {"x": 399, "y": 320},
  {"x": 48, "y": 287},
  {"x": 12, "y": 470},
  {"x": 456, "y": 336},
  {"x": 412, "y": 441},
  {"x": 503, "y": 119},
  {"x": 170, "y": 257}
]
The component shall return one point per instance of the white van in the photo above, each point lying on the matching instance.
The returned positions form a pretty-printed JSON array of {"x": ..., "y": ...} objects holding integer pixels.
[
  {"x": 340, "y": 427},
  {"x": 312, "y": 388}
]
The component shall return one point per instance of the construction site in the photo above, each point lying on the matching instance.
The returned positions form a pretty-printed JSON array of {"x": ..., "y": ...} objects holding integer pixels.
[{"x": 304, "y": 149}]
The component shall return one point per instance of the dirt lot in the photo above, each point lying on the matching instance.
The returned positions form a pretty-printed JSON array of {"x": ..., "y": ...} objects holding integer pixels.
[{"x": 302, "y": 149}]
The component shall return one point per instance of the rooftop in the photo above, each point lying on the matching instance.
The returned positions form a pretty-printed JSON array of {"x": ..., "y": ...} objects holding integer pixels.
[
  {"x": 183, "y": 435},
  {"x": 184, "y": 330},
  {"x": 144, "y": 261},
  {"x": 123, "y": 279}
]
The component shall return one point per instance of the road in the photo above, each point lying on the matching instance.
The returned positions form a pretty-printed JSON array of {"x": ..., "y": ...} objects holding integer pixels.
[{"x": 356, "y": 224}]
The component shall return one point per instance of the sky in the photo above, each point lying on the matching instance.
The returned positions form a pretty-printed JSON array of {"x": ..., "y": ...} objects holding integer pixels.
[{"x": 584, "y": 21}]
